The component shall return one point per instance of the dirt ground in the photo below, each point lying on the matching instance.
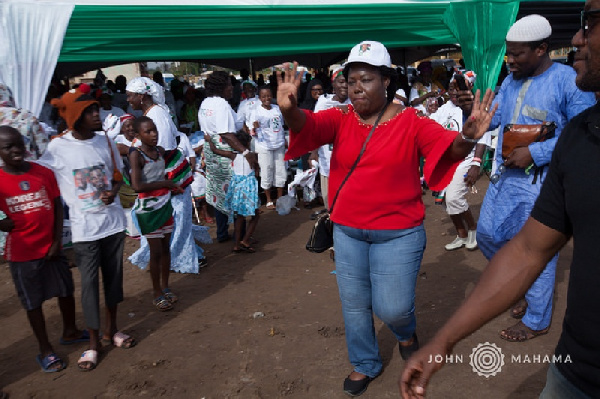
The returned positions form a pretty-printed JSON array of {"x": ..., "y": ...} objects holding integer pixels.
[{"x": 213, "y": 346}]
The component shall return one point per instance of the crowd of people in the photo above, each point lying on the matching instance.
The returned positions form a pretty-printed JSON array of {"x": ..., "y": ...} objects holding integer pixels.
[{"x": 133, "y": 158}]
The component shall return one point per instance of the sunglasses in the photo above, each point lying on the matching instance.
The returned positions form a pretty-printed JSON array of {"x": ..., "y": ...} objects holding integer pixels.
[{"x": 584, "y": 19}]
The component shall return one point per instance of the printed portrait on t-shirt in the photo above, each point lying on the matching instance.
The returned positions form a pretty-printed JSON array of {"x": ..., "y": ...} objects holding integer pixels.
[{"x": 90, "y": 183}]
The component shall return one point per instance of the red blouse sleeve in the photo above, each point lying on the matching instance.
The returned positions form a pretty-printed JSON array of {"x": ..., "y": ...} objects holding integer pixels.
[
  {"x": 433, "y": 142},
  {"x": 320, "y": 129}
]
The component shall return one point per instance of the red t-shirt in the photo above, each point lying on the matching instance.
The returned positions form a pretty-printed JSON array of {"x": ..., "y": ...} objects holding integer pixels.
[
  {"x": 384, "y": 191},
  {"x": 28, "y": 200}
]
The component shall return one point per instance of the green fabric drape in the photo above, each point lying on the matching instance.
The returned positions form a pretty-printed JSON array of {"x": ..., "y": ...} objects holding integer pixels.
[
  {"x": 481, "y": 29},
  {"x": 179, "y": 32}
]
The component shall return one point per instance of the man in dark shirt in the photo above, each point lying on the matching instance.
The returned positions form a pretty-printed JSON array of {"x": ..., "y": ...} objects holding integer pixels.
[{"x": 567, "y": 207}]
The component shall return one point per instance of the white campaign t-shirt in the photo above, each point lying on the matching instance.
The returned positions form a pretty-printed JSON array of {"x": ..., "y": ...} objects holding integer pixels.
[
  {"x": 217, "y": 117},
  {"x": 121, "y": 139},
  {"x": 83, "y": 169},
  {"x": 185, "y": 146},
  {"x": 324, "y": 102},
  {"x": 269, "y": 134},
  {"x": 165, "y": 126},
  {"x": 245, "y": 109}
]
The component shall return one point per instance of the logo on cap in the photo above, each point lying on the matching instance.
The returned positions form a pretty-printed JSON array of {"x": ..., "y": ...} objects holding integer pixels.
[{"x": 364, "y": 48}]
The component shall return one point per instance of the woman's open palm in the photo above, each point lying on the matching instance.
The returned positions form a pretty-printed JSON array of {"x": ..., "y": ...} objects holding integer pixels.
[{"x": 287, "y": 87}]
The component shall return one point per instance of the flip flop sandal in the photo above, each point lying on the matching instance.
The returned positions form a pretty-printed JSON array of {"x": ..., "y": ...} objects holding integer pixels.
[
  {"x": 247, "y": 248},
  {"x": 50, "y": 360},
  {"x": 84, "y": 337},
  {"x": 514, "y": 334},
  {"x": 270, "y": 205},
  {"x": 163, "y": 304},
  {"x": 171, "y": 297},
  {"x": 120, "y": 340},
  {"x": 90, "y": 356}
]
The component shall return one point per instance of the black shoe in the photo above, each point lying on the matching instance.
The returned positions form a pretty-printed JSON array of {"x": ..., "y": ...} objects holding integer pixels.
[
  {"x": 356, "y": 388},
  {"x": 407, "y": 351},
  {"x": 202, "y": 263}
]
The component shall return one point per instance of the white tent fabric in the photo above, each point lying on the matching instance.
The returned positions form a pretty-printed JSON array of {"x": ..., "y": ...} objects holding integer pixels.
[{"x": 32, "y": 34}]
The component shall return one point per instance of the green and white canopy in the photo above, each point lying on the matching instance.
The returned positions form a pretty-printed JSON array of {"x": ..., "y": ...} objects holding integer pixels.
[{"x": 42, "y": 32}]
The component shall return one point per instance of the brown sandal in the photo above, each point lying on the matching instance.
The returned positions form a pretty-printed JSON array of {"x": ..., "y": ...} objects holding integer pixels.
[
  {"x": 521, "y": 333},
  {"x": 519, "y": 310}
]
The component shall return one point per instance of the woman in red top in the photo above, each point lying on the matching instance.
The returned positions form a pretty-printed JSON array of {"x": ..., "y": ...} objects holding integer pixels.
[{"x": 378, "y": 217}]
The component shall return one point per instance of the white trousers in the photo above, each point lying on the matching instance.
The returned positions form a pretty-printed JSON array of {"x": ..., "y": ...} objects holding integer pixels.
[{"x": 272, "y": 167}]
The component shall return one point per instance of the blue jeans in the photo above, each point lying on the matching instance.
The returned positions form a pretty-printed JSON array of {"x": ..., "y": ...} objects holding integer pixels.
[
  {"x": 376, "y": 273},
  {"x": 558, "y": 387}
]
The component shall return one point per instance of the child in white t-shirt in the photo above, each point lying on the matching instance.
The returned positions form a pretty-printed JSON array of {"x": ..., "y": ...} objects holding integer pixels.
[
  {"x": 242, "y": 195},
  {"x": 267, "y": 125}
]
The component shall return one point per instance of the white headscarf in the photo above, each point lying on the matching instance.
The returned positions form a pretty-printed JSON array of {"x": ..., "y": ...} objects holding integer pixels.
[{"x": 147, "y": 86}]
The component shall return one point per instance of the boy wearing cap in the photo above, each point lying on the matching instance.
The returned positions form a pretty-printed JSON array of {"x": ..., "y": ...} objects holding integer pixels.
[
  {"x": 97, "y": 219},
  {"x": 537, "y": 90}
]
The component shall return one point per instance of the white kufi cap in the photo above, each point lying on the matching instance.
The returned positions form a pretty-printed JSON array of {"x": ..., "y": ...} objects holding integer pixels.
[{"x": 531, "y": 28}]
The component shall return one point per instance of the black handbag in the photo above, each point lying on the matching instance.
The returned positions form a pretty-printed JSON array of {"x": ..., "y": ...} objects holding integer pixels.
[{"x": 321, "y": 236}]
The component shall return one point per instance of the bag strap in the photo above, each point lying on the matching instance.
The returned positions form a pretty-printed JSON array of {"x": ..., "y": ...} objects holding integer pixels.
[{"x": 362, "y": 150}]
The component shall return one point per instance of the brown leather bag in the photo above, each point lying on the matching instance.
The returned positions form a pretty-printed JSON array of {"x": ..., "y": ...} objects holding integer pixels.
[{"x": 522, "y": 135}]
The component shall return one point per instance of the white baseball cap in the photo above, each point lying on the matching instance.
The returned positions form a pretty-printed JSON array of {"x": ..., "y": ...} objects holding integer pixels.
[
  {"x": 531, "y": 28},
  {"x": 370, "y": 52}
]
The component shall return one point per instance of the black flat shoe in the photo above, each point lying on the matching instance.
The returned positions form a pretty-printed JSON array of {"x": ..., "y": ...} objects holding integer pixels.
[
  {"x": 407, "y": 351},
  {"x": 356, "y": 388}
]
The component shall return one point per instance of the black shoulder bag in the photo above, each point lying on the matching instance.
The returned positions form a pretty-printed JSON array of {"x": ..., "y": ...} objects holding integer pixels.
[{"x": 321, "y": 236}]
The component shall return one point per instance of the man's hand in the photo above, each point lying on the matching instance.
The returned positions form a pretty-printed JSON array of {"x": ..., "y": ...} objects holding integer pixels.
[
  {"x": 472, "y": 175},
  {"x": 7, "y": 225},
  {"x": 54, "y": 250},
  {"x": 520, "y": 158},
  {"x": 419, "y": 369}
]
